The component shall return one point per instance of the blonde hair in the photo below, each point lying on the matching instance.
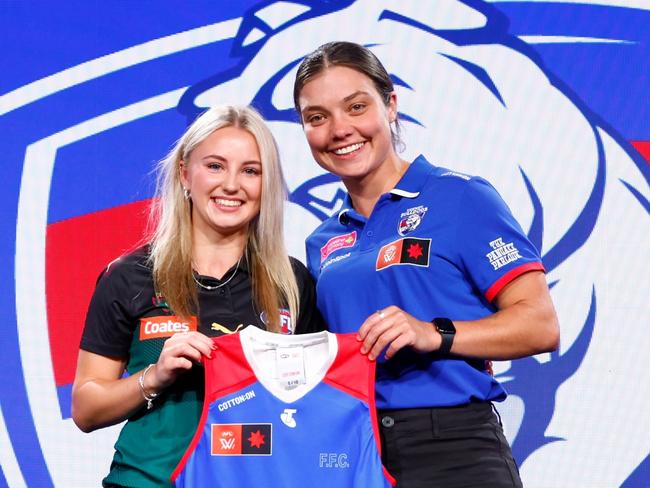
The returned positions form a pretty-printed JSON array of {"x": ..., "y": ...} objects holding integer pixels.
[{"x": 272, "y": 277}]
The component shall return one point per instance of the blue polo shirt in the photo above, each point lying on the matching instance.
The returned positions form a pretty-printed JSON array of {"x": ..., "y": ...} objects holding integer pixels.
[{"x": 440, "y": 244}]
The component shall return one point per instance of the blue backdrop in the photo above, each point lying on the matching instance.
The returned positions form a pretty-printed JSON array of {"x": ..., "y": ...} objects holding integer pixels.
[{"x": 548, "y": 100}]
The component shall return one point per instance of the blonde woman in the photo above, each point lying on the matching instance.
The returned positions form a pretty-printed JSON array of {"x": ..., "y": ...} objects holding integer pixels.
[{"x": 216, "y": 263}]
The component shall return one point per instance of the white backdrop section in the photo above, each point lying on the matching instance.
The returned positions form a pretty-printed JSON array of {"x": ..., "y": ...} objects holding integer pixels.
[{"x": 602, "y": 411}]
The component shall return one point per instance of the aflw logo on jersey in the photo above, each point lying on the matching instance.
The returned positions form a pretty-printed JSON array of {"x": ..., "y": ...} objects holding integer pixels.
[
  {"x": 241, "y": 439},
  {"x": 165, "y": 326}
]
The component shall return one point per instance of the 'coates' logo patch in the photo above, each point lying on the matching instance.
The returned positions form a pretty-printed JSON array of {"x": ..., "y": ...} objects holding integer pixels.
[
  {"x": 410, "y": 220},
  {"x": 336, "y": 243},
  {"x": 240, "y": 439},
  {"x": 165, "y": 326},
  {"x": 409, "y": 250}
]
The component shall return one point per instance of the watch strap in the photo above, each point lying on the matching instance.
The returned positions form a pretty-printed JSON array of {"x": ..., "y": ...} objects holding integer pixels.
[{"x": 447, "y": 331}]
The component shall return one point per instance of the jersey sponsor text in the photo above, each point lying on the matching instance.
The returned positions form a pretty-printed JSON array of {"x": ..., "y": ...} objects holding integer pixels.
[
  {"x": 333, "y": 460},
  {"x": 335, "y": 260},
  {"x": 287, "y": 417},
  {"x": 457, "y": 174},
  {"x": 504, "y": 253},
  {"x": 165, "y": 326},
  {"x": 336, "y": 243},
  {"x": 239, "y": 399}
]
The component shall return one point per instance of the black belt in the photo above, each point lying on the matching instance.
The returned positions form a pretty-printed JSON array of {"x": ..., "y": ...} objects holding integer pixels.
[{"x": 389, "y": 417}]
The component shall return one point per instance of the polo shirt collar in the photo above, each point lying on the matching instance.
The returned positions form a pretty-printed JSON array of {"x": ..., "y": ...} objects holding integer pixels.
[
  {"x": 409, "y": 186},
  {"x": 412, "y": 182},
  {"x": 244, "y": 265},
  {"x": 345, "y": 209}
]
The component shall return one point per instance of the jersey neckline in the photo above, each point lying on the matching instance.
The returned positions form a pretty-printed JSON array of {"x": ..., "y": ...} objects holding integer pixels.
[{"x": 255, "y": 339}]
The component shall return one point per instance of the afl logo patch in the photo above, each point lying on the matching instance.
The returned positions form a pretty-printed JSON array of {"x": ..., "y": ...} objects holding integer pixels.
[
  {"x": 410, "y": 251},
  {"x": 241, "y": 439},
  {"x": 286, "y": 323},
  {"x": 410, "y": 220}
]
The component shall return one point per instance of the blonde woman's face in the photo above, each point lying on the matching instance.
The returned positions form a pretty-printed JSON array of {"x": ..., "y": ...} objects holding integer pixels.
[{"x": 224, "y": 177}]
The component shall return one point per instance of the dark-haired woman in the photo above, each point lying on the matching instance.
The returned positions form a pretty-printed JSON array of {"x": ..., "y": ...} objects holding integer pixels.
[{"x": 430, "y": 268}]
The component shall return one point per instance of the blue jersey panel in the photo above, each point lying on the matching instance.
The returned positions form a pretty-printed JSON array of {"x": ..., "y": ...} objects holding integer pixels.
[{"x": 325, "y": 437}]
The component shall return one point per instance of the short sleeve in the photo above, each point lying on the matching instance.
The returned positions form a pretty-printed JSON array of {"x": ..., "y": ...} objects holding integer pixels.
[
  {"x": 492, "y": 246},
  {"x": 310, "y": 318},
  {"x": 109, "y": 324},
  {"x": 313, "y": 257}
]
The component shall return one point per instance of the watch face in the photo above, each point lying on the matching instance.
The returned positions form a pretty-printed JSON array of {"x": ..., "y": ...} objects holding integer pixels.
[{"x": 444, "y": 325}]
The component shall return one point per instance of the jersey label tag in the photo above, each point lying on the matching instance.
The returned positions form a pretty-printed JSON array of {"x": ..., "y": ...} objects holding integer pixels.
[{"x": 290, "y": 364}]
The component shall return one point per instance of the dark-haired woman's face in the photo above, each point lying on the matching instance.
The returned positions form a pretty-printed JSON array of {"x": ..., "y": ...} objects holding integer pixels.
[{"x": 346, "y": 122}]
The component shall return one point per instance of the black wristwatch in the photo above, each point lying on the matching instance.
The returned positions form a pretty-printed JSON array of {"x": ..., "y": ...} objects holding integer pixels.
[{"x": 447, "y": 331}]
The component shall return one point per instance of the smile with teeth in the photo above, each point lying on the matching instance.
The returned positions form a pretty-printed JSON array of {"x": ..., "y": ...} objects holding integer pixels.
[
  {"x": 348, "y": 149},
  {"x": 227, "y": 203}
]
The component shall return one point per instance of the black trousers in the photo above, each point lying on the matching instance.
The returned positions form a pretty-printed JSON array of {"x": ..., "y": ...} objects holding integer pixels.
[{"x": 447, "y": 447}]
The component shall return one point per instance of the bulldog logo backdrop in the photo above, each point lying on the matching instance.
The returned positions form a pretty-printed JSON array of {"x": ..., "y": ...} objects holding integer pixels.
[{"x": 547, "y": 100}]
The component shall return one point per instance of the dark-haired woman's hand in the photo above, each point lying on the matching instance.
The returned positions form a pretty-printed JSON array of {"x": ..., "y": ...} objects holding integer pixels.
[{"x": 393, "y": 328}]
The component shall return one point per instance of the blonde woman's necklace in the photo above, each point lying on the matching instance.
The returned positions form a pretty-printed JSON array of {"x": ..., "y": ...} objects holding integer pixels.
[{"x": 208, "y": 287}]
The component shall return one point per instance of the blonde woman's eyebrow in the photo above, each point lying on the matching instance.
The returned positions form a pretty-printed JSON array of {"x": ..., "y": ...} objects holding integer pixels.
[{"x": 214, "y": 156}]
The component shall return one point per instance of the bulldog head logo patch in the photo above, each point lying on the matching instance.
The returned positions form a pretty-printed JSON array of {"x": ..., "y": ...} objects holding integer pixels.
[{"x": 410, "y": 220}]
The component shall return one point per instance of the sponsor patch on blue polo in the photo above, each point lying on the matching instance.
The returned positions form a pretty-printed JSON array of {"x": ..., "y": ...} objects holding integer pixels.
[{"x": 409, "y": 250}]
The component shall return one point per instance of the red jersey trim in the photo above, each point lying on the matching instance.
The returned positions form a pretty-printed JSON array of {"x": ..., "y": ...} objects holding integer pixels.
[
  {"x": 226, "y": 345},
  {"x": 193, "y": 443},
  {"x": 498, "y": 285},
  {"x": 349, "y": 363},
  {"x": 375, "y": 421}
]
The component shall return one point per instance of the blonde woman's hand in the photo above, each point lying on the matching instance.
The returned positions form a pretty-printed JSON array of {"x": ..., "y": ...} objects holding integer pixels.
[{"x": 177, "y": 356}]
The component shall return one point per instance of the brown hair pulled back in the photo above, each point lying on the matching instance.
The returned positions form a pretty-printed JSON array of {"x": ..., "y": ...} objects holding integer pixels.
[{"x": 350, "y": 55}]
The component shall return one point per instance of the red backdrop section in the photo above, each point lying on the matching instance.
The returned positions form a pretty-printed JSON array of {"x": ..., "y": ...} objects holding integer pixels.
[{"x": 77, "y": 250}]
